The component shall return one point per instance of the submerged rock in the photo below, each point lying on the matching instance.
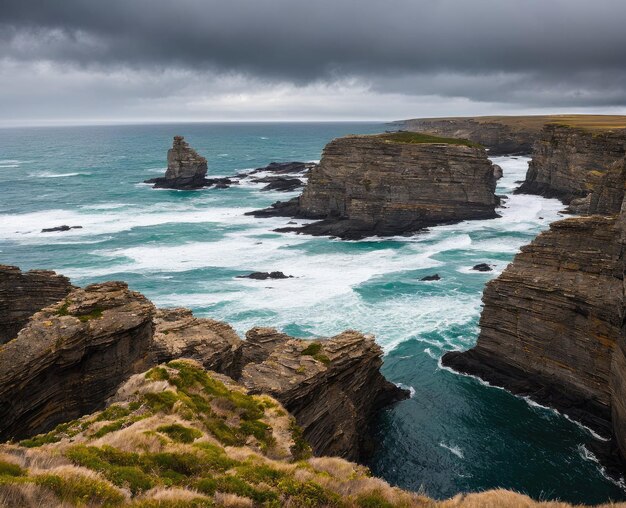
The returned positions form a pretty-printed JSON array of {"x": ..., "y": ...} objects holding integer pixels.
[
  {"x": 482, "y": 267},
  {"x": 279, "y": 183},
  {"x": 431, "y": 277},
  {"x": 265, "y": 276},
  {"x": 60, "y": 228},
  {"x": 186, "y": 170},
  {"x": 392, "y": 184},
  {"x": 285, "y": 168}
]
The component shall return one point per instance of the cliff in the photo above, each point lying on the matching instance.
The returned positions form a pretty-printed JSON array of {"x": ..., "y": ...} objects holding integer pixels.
[
  {"x": 569, "y": 162},
  {"x": 392, "y": 184},
  {"x": 70, "y": 358},
  {"x": 333, "y": 386},
  {"x": 24, "y": 293},
  {"x": 180, "y": 436},
  {"x": 551, "y": 320},
  {"x": 186, "y": 169},
  {"x": 552, "y": 326},
  {"x": 507, "y": 135}
]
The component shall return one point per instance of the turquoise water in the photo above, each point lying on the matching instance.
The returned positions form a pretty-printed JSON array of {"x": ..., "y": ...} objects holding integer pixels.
[{"x": 186, "y": 248}]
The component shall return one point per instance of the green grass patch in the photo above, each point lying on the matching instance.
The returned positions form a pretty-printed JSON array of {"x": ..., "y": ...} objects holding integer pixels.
[
  {"x": 418, "y": 138},
  {"x": 114, "y": 412},
  {"x": 300, "y": 449},
  {"x": 157, "y": 374},
  {"x": 234, "y": 485},
  {"x": 373, "y": 500},
  {"x": 161, "y": 401},
  {"x": 10, "y": 469},
  {"x": 64, "y": 309},
  {"x": 309, "y": 493},
  {"x": 80, "y": 490},
  {"x": 94, "y": 314},
  {"x": 312, "y": 349},
  {"x": 40, "y": 440},
  {"x": 180, "y": 433}
]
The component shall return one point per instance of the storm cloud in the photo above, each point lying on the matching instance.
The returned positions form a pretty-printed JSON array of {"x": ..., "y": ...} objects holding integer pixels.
[{"x": 274, "y": 59}]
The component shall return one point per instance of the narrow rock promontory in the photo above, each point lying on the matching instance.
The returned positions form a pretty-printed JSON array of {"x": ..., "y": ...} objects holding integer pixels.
[{"x": 393, "y": 184}]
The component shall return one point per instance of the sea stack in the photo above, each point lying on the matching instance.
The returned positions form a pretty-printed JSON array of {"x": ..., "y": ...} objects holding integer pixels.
[
  {"x": 186, "y": 169},
  {"x": 394, "y": 183}
]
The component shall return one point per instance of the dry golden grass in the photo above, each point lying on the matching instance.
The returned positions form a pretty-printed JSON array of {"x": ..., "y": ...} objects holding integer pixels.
[{"x": 537, "y": 122}]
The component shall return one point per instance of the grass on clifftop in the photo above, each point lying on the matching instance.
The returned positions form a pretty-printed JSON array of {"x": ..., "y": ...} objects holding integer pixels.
[
  {"x": 177, "y": 437},
  {"x": 418, "y": 138}
]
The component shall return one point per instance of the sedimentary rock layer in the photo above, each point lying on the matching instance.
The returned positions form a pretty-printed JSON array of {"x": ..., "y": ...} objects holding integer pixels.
[
  {"x": 569, "y": 163},
  {"x": 393, "y": 184},
  {"x": 186, "y": 169},
  {"x": 551, "y": 321},
  {"x": 501, "y": 135},
  {"x": 24, "y": 293},
  {"x": 71, "y": 356},
  {"x": 333, "y": 386}
]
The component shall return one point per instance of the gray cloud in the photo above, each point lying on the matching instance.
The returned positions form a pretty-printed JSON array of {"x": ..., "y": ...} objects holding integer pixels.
[{"x": 518, "y": 53}]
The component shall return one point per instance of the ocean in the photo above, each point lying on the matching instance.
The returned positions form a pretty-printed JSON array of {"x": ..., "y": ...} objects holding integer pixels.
[{"x": 455, "y": 434}]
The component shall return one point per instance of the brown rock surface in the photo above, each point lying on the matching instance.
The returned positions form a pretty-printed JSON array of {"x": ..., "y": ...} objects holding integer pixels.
[
  {"x": 178, "y": 334},
  {"x": 71, "y": 356},
  {"x": 186, "y": 169},
  {"x": 569, "y": 163},
  {"x": 333, "y": 386},
  {"x": 391, "y": 184},
  {"x": 24, "y": 293}
]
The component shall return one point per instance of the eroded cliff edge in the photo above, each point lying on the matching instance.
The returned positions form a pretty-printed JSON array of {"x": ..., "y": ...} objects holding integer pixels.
[
  {"x": 552, "y": 326},
  {"x": 569, "y": 162},
  {"x": 71, "y": 356},
  {"x": 393, "y": 184}
]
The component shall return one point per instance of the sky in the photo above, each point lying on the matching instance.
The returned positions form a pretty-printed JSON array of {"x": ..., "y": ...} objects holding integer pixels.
[{"x": 119, "y": 61}]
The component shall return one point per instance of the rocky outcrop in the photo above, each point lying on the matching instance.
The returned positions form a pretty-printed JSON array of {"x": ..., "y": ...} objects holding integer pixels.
[
  {"x": 393, "y": 184},
  {"x": 71, "y": 356},
  {"x": 501, "y": 135},
  {"x": 333, "y": 386},
  {"x": 214, "y": 344},
  {"x": 186, "y": 170},
  {"x": 24, "y": 293},
  {"x": 569, "y": 163}
]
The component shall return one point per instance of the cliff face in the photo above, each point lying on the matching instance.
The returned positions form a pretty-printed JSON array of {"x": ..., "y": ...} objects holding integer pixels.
[
  {"x": 24, "y": 293},
  {"x": 389, "y": 184},
  {"x": 186, "y": 169},
  {"x": 499, "y": 135},
  {"x": 71, "y": 356},
  {"x": 551, "y": 321},
  {"x": 333, "y": 386},
  {"x": 552, "y": 326},
  {"x": 569, "y": 163}
]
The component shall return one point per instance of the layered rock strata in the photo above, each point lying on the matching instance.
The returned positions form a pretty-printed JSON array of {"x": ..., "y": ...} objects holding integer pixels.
[
  {"x": 393, "y": 184},
  {"x": 569, "y": 163},
  {"x": 551, "y": 320},
  {"x": 71, "y": 356},
  {"x": 24, "y": 293},
  {"x": 333, "y": 386},
  {"x": 186, "y": 169},
  {"x": 501, "y": 135}
]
